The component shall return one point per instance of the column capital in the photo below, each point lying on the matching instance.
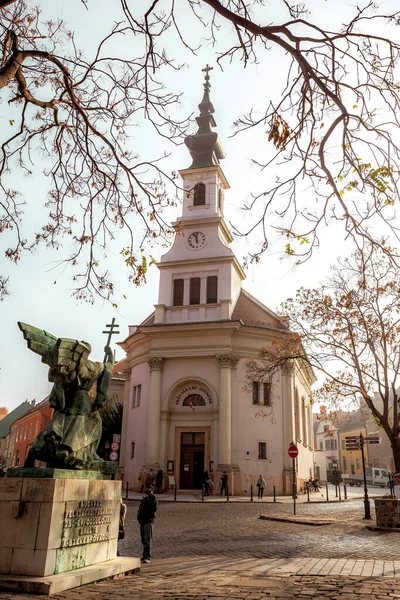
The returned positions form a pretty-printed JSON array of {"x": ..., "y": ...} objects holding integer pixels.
[
  {"x": 227, "y": 361},
  {"x": 288, "y": 368},
  {"x": 156, "y": 363}
]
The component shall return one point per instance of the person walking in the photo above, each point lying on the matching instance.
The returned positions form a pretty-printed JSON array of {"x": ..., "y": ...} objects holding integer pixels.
[
  {"x": 261, "y": 486},
  {"x": 145, "y": 516},
  {"x": 224, "y": 483},
  {"x": 122, "y": 517},
  {"x": 159, "y": 481}
]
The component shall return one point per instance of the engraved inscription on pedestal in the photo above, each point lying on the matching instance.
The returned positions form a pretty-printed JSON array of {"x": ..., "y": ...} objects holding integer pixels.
[{"x": 86, "y": 522}]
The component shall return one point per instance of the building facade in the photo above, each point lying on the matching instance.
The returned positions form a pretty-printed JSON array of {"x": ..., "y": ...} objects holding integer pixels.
[
  {"x": 187, "y": 409},
  {"x": 25, "y": 430}
]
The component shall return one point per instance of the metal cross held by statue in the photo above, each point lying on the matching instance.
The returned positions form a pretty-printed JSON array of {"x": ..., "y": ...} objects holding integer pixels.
[{"x": 110, "y": 332}]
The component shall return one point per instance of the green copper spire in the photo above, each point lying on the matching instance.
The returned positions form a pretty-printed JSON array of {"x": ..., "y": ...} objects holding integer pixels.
[{"x": 204, "y": 147}]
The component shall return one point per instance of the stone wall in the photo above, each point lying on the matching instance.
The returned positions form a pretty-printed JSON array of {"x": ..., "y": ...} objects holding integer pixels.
[
  {"x": 387, "y": 512},
  {"x": 52, "y": 526}
]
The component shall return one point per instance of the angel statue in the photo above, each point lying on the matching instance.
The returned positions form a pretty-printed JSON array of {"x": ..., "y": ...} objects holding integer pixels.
[{"x": 71, "y": 438}]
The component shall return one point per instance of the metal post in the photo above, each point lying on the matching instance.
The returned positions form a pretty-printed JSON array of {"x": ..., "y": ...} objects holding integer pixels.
[
  {"x": 294, "y": 485},
  {"x": 227, "y": 492},
  {"x": 345, "y": 491},
  {"x": 327, "y": 493},
  {"x": 251, "y": 493},
  {"x": 308, "y": 492},
  {"x": 126, "y": 491},
  {"x": 202, "y": 493},
  {"x": 336, "y": 490},
  {"x": 175, "y": 492},
  {"x": 274, "y": 494},
  {"x": 367, "y": 508},
  {"x": 340, "y": 495}
]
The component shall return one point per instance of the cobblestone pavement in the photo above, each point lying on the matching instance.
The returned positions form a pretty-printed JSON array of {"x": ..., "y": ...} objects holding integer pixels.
[
  {"x": 234, "y": 530},
  {"x": 225, "y": 552}
]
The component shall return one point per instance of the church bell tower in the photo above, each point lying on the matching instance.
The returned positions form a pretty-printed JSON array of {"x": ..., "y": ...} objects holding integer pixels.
[{"x": 200, "y": 277}]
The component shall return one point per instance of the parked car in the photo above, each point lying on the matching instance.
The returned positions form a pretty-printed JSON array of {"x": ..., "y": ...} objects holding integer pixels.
[{"x": 374, "y": 476}]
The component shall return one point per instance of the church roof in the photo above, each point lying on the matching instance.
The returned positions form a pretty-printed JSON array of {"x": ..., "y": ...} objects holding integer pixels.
[{"x": 251, "y": 311}]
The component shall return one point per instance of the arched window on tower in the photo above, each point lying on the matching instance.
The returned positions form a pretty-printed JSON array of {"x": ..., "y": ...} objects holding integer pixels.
[
  {"x": 194, "y": 400},
  {"x": 199, "y": 194}
]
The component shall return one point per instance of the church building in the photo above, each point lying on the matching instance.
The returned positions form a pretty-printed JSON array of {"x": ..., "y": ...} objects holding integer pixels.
[{"x": 187, "y": 409}]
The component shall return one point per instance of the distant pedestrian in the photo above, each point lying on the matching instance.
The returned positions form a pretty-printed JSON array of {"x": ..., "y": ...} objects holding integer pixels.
[
  {"x": 224, "y": 483},
  {"x": 207, "y": 483},
  {"x": 159, "y": 481},
  {"x": 145, "y": 516},
  {"x": 150, "y": 479},
  {"x": 142, "y": 480},
  {"x": 261, "y": 486},
  {"x": 122, "y": 517}
]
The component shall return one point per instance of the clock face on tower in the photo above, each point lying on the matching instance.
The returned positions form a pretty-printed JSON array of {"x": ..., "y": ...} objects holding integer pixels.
[{"x": 196, "y": 240}]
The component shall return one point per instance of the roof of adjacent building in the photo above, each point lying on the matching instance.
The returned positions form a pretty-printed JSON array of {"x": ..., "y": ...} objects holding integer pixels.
[
  {"x": 119, "y": 368},
  {"x": 17, "y": 413}
]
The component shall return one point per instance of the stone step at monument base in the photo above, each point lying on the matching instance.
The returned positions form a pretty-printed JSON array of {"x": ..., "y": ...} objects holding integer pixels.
[{"x": 54, "y": 584}]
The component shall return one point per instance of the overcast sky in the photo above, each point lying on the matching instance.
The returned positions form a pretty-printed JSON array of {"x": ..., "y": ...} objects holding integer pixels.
[{"x": 41, "y": 293}]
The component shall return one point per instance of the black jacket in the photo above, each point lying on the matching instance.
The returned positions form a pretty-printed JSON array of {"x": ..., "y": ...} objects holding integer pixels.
[{"x": 147, "y": 509}]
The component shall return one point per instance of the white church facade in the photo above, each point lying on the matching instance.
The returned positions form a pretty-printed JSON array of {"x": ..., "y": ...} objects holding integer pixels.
[{"x": 185, "y": 407}]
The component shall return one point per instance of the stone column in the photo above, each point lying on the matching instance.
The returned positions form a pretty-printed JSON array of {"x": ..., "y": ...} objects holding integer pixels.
[
  {"x": 226, "y": 362},
  {"x": 125, "y": 421},
  {"x": 154, "y": 411}
]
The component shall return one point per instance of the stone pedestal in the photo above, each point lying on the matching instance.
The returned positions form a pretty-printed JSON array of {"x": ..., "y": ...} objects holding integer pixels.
[{"x": 56, "y": 525}]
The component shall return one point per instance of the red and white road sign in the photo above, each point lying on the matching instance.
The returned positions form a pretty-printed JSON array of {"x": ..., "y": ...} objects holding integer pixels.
[
  {"x": 113, "y": 456},
  {"x": 293, "y": 451},
  {"x": 115, "y": 446}
]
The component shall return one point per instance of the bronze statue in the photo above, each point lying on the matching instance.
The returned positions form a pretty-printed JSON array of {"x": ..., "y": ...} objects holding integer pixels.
[{"x": 71, "y": 438}]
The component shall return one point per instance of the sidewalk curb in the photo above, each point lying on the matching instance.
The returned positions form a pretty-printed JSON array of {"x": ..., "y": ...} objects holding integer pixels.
[{"x": 299, "y": 521}]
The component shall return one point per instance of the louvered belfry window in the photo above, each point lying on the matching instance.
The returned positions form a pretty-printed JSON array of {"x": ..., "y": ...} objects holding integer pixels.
[
  {"x": 195, "y": 290},
  {"x": 212, "y": 289},
  {"x": 178, "y": 292},
  {"x": 199, "y": 194}
]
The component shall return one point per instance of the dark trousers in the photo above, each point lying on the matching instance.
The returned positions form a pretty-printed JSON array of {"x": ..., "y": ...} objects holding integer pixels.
[
  {"x": 223, "y": 489},
  {"x": 260, "y": 492},
  {"x": 146, "y": 534}
]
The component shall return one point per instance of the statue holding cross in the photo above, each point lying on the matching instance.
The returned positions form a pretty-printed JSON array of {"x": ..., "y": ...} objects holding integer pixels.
[{"x": 71, "y": 438}]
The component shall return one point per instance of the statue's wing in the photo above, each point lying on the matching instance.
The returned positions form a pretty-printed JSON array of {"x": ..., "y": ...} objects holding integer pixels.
[
  {"x": 69, "y": 356},
  {"x": 39, "y": 341}
]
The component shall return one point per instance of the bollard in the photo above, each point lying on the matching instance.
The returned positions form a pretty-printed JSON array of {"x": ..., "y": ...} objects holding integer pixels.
[
  {"x": 327, "y": 494},
  {"x": 227, "y": 492},
  {"x": 340, "y": 495},
  {"x": 202, "y": 493},
  {"x": 308, "y": 493},
  {"x": 126, "y": 492},
  {"x": 251, "y": 493},
  {"x": 175, "y": 492},
  {"x": 345, "y": 491},
  {"x": 274, "y": 494},
  {"x": 336, "y": 490}
]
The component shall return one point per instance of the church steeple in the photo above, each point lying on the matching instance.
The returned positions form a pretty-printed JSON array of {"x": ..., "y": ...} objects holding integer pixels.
[{"x": 204, "y": 147}]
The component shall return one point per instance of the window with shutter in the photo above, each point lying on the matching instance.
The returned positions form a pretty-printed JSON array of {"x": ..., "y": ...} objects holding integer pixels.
[
  {"x": 199, "y": 194},
  {"x": 195, "y": 290},
  {"x": 212, "y": 289},
  {"x": 267, "y": 394},
  {"x": 256, "y": 386},
  {"x": 178, "y": 292},
  {"x": 262, "y": 450}
]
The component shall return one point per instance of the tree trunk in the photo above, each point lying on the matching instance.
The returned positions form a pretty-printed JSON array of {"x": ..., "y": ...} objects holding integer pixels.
[{"x": 396, "y": 453}]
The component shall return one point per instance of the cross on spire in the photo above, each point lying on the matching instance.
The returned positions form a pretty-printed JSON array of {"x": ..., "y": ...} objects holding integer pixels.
[{"x": 206, "y": 70}]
